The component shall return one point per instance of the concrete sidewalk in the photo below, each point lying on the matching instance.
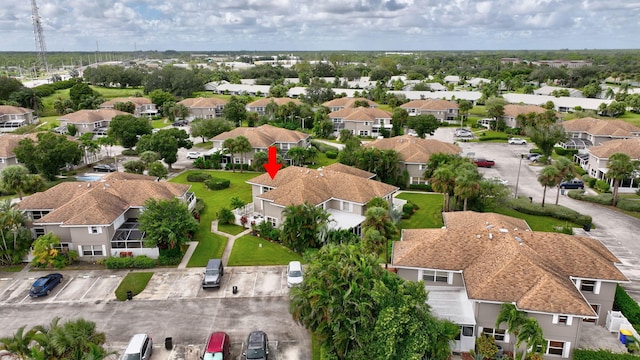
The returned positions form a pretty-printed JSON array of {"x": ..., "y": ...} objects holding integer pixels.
[{"x": 231, "y": 240}]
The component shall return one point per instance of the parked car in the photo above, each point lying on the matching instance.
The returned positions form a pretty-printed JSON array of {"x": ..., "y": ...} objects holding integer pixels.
[
  {"x": 498, "y": 180},
  {"x": 257, "y": 346},
  {"x": 294, "y": 273},
  {"x": 140, "y": 348},
  {"x": 484, "y": 163},
  {"x": 534, "y": 156},
  {"x": 218, "y": 347},
  {"x": 517, "y": 141},
  {"x": 191, "y": 155},
  {"x": 45, "y": 284},
  {"x": 572, "y": 184},
  {"x": 180, "y": 123},
  {"x": 104, "y": 168},
  {"x": 213, "y": 274}
]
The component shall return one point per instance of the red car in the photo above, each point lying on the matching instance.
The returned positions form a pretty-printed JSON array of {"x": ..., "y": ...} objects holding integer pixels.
[{"x": 484, "y": 163}]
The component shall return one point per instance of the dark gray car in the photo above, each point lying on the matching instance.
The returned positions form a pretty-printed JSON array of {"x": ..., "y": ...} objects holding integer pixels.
[
  {"x": 213, "y": 274},
  {"x": 257, "y": 346}
]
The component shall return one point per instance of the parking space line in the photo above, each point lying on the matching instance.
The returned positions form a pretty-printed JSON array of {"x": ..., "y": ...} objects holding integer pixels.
[
  {"x": 255, "y": 282},
  {"x": 89, "y": 289}
]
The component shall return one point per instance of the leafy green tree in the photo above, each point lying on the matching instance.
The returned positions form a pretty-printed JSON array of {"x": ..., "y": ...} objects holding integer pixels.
[
  {"x": 167, "y": 223},
  {"x": 159, "y": 98},
  {"x": 398, "y": 120},
  {"x": 16, "y": 237},
  {"x": 591, "y": 90},
  {"x": 383, "y": 163},
  {"x": 84, "y": 97},
  {"x": 423, "y": 124},
  {"x": 235, "y": 110},
  {"x": 158, "y": 170},
  {"x": 127, "y": 128},
  {"x": 464, "y": 107},
  {"x": 63, "y": 106},
  {"x": 8, "y": 86},
  {"x": 302, "y": 225},
  {"x": 546, "y": 136},
  {"x": 166, "y": 143},
  {"x": 134, "y": 166},
  {"x": 525, "y": 330},
  {"x": 620, "y": 167},
  {"x": 45, "y": 251},
  {"x": 147, "y": 157},
  {"x": 512, "y": 318},
  {"x": 226, "y": 216},
  {"x": 51, "y": 153},
  {"x": 495, "y": 109},
  {"x": 14, "y": 178},
  {"x": 548, "y": 178},
  {"x": 208, "y": 128},
  {"x": 297, "y": 155},
  {"x": 28, "y": 98},
  {"x": 318, "y": 92},
  {"x": 237, "y": 203},
  {"x": 125, "y": 106}
]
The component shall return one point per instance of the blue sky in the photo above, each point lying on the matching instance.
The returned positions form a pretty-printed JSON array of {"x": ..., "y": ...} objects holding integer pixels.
[{"x": 304, "y": 25}]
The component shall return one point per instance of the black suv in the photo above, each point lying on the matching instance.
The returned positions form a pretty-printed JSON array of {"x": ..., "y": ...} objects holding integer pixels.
[
  {"x": 572, "y": 184},
  {"x": 257, "y": 346}
]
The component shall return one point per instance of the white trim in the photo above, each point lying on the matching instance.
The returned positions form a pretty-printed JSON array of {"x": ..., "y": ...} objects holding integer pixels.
[{"x": 596, "y": 287}]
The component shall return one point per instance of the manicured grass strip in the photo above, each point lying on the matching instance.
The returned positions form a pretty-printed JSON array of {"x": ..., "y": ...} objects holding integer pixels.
[
  {"x": 536, "y": 222},
  {"x": 210, "y": 246},
  {"x": 322, "y": 160},
  {"x": 247, "y": 251},
  {"x": 134, "y": 282},
  {"x": 231, "y": 229},
  {"x": 429, "y": 214},
  {"x": 12, "y": 268}
]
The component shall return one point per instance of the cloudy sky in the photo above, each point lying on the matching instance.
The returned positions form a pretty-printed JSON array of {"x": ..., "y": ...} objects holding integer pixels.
[{"x": 307, "y": 25}]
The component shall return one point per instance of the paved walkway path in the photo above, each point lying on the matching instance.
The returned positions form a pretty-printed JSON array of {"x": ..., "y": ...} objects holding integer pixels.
[
  {"x": 187, "y": 254},
  {"x": 231, "y": 240}
]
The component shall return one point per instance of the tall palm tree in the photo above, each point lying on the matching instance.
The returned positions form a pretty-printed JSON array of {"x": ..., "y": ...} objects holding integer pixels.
[
  {"x": 620, "y": 167},
  {"x": 13, "y": 233},
  {"x": 530, "y": 333},
  {"x": 230, "y": 145},
  {"x": 15, "y": 178},
  {"x": 243, "y": 146},
  {"x": 513, "y": 318},
  {"x": 443, "y": 181},
  {"x": 566, "y": 171},
  {"x": 548, "y": 177},
  {"x": 467, "y": 184}
]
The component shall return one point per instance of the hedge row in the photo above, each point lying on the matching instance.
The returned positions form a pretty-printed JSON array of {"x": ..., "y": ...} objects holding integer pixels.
[
  {"x": 490, "y": 138},
  {"x": 565, "y": 152},
  {"x": 606, "y": 199},
  {"x": 629, "y": 307},
  {"x": 198, "y": 177},
  {"x": 322, "y": 147},
  {"x": 523, "y": 205},
  {"x": 138, "y": 262},
  {"x": 582, "y": 354},
  {"x": 214, "y": 183}
]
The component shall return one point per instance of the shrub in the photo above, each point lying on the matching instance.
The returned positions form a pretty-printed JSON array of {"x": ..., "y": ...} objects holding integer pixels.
[
  {"x": 226, "y": 216},
  {"x": 130, "y": 152},
  {"x": 629, "y": 204},
  {"x": 322, "y": 147},
  {"x": 422, "y": 187},
  {"x": 602, "y": 199},
  {"x": 496, "y": 137},
  {"x": 583, "y": 354},
  {"x": 331, "y": 154},
  {"x": 214, "y": 183},
  {"x": 486, "y": 345},
  {"x": 408, "y": 209},
  {"x": 169, "y": 257},
  {"x": 602, "y": 186},
  {"x": 555, "y": 211},
  {"x": 138, "y": 262},
  {"x": 267, "y": 231},
  {"x": 591, "y": 182},
  {"x": 198, "y": 177},
  {"x": 565, "y": 152}
]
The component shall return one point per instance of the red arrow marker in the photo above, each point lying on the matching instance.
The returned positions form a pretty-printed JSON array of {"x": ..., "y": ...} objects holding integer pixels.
[{"x": 272, "y": 166}]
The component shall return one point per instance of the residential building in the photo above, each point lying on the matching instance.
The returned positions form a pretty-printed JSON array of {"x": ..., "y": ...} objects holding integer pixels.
[
  {"x": 339, "y": 189},
  {"x": 361, "y": 121},
  {"x": 143, "y": 106},
  {"x": 89, "y": 121},
  {"x": 443, "y": 110},
  {"x": 594, "y": 162},
  {"x": 260, "y": 138},
  {"x": 8, "y": 142},
  {"x": 99, "y": 218},
  {"x": 347, "y": 102},
  {"x": 569, "y": 64},
  {"x": 204, "y": 108},
  {"x": 414, "y": 153},
  {"x": 511, "y": 112},
  {"x": 478, "y": 261},
  {"x": 260, "y": 106},
  {"x": 563, "y": 104},
  {"x": 13, "y": 117},
  {"x": 224, "y": 87},
  {"x": 548, "y": 91},
  {"x": 586, "y": 132},
  {"x": 472, "y": 96}
]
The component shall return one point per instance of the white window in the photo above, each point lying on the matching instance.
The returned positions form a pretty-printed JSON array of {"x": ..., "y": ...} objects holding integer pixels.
[
  {"x": 436, "y": 276},
  {"x": 498, "y": 334},
  {"x": 345, "y": 206},
  {"x": 559, "y": 348},
  {"x": 237, "y": 160},
  {"x": 364, "y": 133},
  {"x": 95, "y": 230},
  {"x": 271, "y": 220},
  {"x": 562, "y": 320},
  {"x": 589, "y": 286},
  {"x": 92, "y": 250},
  {"x": 366, "y": 123}
]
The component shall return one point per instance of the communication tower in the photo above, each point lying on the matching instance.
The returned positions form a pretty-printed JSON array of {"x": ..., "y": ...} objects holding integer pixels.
[{"x": 39, "y": 36}]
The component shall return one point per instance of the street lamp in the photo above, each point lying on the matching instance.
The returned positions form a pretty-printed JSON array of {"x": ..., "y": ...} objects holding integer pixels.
[{"x": 518, "y": 177}]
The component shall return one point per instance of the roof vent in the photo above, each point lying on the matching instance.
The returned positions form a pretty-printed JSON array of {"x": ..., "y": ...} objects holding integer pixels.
[
  {"x": 504, "y": 230},
  {"x": 489, "y": 227},
  {"x": 88, "y": 184},
  {"x": 490, "y": 236},
  {"x": 519, "y": 240},
  {"x": 478, "y": 236}
]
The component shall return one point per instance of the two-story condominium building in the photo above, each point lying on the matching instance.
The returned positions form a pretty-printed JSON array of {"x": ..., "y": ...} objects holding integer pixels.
[
  {"x": 204, "y": 108},
  {"x": 143, "y": 106},
  {"x": 13, "y": 117},
  {"x": 260, "y": 138},
  {"x": 361, "y": 121},
  {"x": 443, "y": 110},
  {"x": 586, "y": 132},
  {"x": 347, "y": 102},
  {"x": 260, "y": 106},
  {"x": 595, "y": 161},
  {"x": 478, "y": 261},
  {"x": 511, "y": 112},
  {"x": 341, "y": 190},
  {"x": 99, "y": 218},
  {"x": 89, "y": 121},
  {"x": 414, "y": 153}
]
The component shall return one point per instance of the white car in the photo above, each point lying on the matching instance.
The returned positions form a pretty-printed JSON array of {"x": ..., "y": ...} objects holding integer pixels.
[
  {"x": 517, "y": 141},
  {"x": 193, "y": 155},
  {"x": 294, "y": 273},
  {"x": 498, "y": 180}
]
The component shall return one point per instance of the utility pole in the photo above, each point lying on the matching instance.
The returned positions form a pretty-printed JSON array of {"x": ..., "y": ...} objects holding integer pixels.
[{"x": 39, "y": 36}]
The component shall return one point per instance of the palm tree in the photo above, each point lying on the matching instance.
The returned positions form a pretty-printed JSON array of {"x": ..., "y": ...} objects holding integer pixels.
[
  {"x": 243, "y": 146},
  {"x": 466, "y": 185},
  {"x": 513, "y": 318},
  {"x": 530, "y": 333},
  {"x": 18, "y": 344},
  {"x": 548, "y": 177},
  {"x": 230, "y": 145},
  {"x": 297, "y": 155},
  {"x": 566, "y": 171},
  {"x": 443, "y": 181},
  {"x": 15, "y": 178},
  {"x": 378, "y": 229},
  {"x": 620, "y": 167}
]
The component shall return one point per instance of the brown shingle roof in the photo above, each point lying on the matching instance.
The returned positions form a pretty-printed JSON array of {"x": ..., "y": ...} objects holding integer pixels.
[
  {"x": 630, "y": 147},
  {"x": 513, "y": 264},
  {"x": 613, "y": 127},
  {"x": 512, "y": 110},
  {"x": 360, "y": 114},
  {"x": 91, "y": 116},
  {"x": 296, "y": 185},
  {"x": 263, "y": 136},
  {"x": 347, "y": 102},
  {"x": 413, "y": 149},
  {"x": 99, "y": 202},
  {"x": 430, "y": 104},
  {"x": 13, "y": 110},
  {"x": 202, "y": 102},
  {"x": 8, "y": 142},
  {"x": 136, "y": 100},
  {"x": 349, "y": 170},
  {"x": 279, "y": 101}
]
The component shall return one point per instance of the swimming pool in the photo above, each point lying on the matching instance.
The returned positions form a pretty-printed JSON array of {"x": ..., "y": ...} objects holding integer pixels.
[{"x": 88, "y": 178}]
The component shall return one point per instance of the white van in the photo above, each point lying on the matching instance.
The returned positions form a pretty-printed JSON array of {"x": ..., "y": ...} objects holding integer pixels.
[{"x": 140, "y": 348}]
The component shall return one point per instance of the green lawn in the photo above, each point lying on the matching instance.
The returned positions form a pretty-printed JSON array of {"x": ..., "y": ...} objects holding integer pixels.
[
  {"x": 203, "y": 145},
  {"x": 429, "y": 214},
  {"x": 322, "y": 161},
  {"x": 536, "y": 222},
  {"x": 110, "y": 93},
  {"x": 231, "y": 229},
  {"x": 134, "y": 282},
  {"x": 247, "y": 250},
  {"x": 212, "y": 245},
  {"x": 158, "y": 124}
]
